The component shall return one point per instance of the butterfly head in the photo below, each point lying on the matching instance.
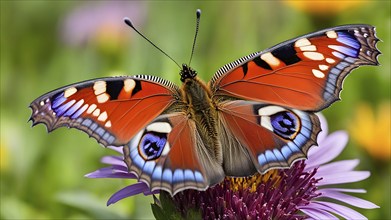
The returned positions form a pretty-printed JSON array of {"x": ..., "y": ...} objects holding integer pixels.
[{"x": 187, "y": 73}]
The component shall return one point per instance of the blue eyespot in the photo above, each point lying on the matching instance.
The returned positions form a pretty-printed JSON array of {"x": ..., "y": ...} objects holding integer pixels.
[
  {"x": 152, "y": 145},
  {"x": 285, "y": 124}
]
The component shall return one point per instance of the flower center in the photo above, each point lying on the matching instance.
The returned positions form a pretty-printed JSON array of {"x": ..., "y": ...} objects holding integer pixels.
[{"x": 252, "y": 182}]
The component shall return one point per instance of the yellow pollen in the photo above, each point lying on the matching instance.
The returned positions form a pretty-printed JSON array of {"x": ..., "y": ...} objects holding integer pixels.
[{"x": 251, "y": 183}]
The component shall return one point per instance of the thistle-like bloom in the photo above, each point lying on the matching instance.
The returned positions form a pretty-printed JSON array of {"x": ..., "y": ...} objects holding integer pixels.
[{"x": 300, "y": 192}]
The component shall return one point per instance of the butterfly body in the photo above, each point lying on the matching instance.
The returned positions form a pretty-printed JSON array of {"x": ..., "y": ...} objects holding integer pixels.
[{"x": 255, "y": 114}]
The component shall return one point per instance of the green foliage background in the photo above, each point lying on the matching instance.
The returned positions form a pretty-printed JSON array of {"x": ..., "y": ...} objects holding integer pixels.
[{"x": 42, "y": 175}]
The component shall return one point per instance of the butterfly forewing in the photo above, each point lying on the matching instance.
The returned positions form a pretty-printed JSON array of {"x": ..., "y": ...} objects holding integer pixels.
[
  {"x": 112, "y": 110},
  {"x": 305, "y": 73}
]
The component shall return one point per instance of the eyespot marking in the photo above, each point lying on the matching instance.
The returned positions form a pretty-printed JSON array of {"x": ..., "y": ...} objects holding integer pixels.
[{"x": 161, "y": 127}]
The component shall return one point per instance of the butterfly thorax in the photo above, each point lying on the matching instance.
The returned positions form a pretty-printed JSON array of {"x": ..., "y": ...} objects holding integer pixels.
[{"x": 202, "y": 111}]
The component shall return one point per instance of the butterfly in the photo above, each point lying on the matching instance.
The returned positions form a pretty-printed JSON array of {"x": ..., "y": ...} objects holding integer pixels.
[{"x": 255, "y": 114}]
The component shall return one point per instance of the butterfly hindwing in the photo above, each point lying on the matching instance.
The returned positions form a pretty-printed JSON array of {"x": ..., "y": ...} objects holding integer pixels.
[
  {"x": 112, "y": 110},
  {"x": 305, "y": 73},
  {"x": 168, "y": 154},
  {"x": 268, "y": 135}
]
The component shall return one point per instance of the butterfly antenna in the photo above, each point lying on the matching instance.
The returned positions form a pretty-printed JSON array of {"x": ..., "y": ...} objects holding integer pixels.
[
  {"x": 198, "y": 14},
  {"x": 129, "y": 23}
]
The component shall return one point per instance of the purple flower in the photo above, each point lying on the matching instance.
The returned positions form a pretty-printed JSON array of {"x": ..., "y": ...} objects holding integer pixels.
[
  {"x": 308, "y": 190},
  {"x": 118, "y": 169},
  {"x": 101, "y": 22}
]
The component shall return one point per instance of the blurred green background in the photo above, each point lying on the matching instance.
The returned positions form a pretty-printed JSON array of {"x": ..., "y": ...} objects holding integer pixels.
[{"x": 46, "y": 45}]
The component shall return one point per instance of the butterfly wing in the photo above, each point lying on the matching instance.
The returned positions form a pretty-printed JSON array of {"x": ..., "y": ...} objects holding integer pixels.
[
  {"x": 304, "y": 73},
  {"x": 112, "y": 110},
  {"x": 269, "y": 136},
  {"x": 168, "y": 154}
]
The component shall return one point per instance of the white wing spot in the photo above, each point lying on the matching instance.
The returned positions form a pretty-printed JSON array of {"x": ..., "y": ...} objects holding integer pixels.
[
  {"x": 99, "y": 87},
  {"x": 103, "y": 97},
  {"x": 302, "y": 42},
  {"x": 308, "y": 48},
  {"x": 129, "y": 85},
  {"x": 91, "y": 108},
  {"x": 108, "y": 124},
  {"x": 41, "y": 103},
  {"x": 96, "y": 112},
  {"x": 102, "y": 116},
  {"x": 323, "y": 67},
  {"x": 331, "y": 34},
  {"x": 70, "y": 91},
  {"x": 317, "y": 73},
  {"x": 313, "y": 55},
  {"x": 270, "y": 59},
  {"x": 330, "y": 60}
]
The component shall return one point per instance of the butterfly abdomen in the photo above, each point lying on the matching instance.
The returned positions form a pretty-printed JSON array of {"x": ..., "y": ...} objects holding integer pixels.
[{"x": 204, "y": 114}]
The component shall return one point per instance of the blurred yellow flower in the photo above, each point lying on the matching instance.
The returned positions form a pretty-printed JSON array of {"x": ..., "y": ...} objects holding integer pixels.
[
  {"x": 373, "y": 132},
  {"x": 3, "y": 156},
  {"x": 323, "y": 7}
]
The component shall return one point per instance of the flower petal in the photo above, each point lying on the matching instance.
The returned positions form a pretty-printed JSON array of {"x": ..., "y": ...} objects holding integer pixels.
[
  {"x": 344, "y": 177},
  {"x": 328, "y": 149},
  {"x": 351, "y": 200},
  {"x": 316, "y": 213},
  {"x": 345, "y": 190},
  {"x": 113, "y": 160},
  {"x": 127, "y": 192},
  {"x": 337, "y": 167},
  {"x": 340, "y": 210},
  {"x": 118, "y": 149},
  {"x": 324, "y": 128},
  {"x": 110, "y": 172}
]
